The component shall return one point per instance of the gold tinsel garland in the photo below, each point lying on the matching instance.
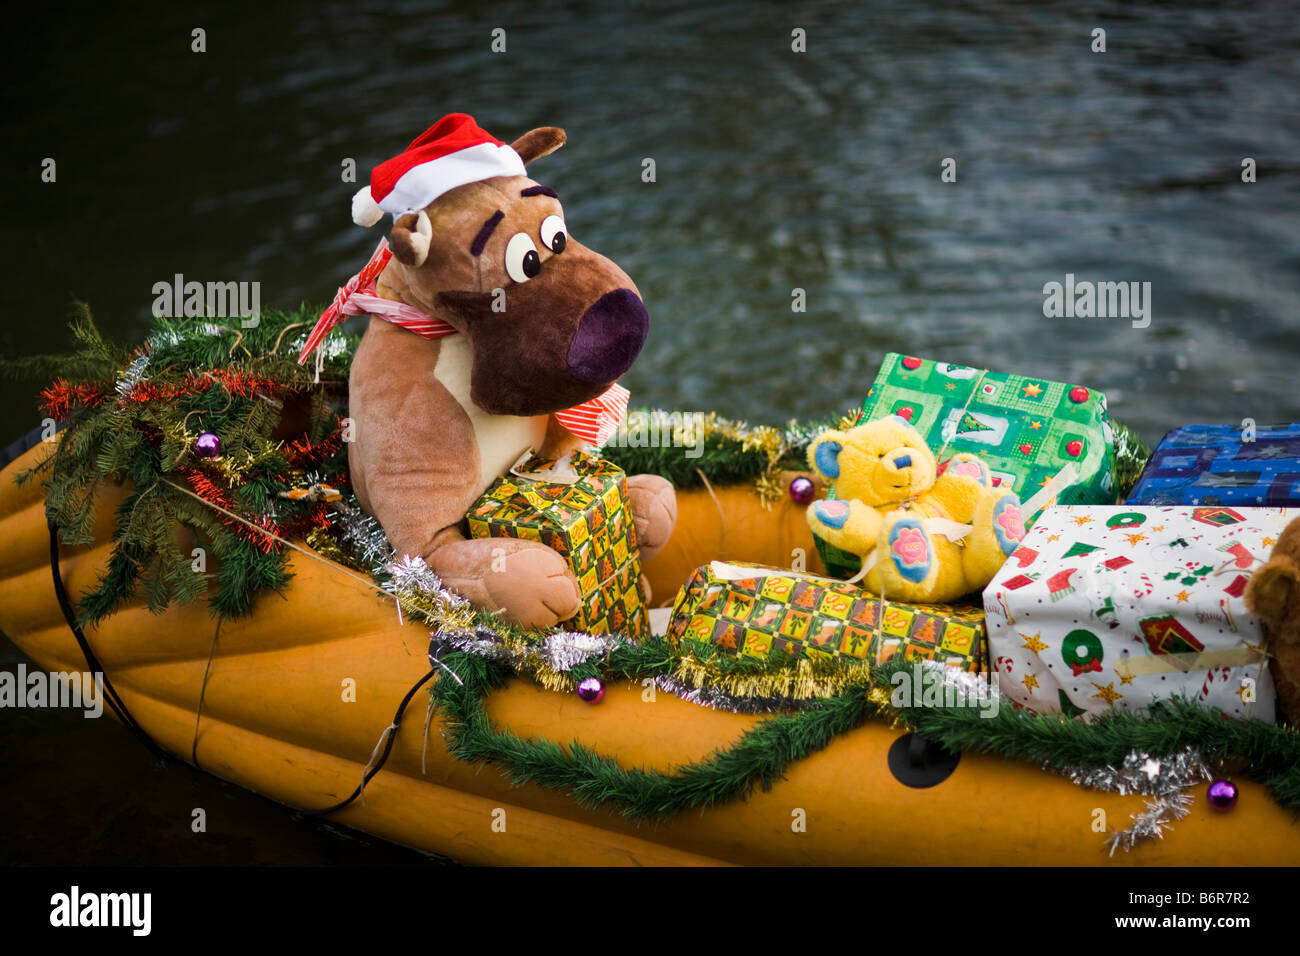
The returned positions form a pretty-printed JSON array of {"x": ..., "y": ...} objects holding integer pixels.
[
  {"x": 805, "y": 680},
  {"x": 422, "y": 598}
]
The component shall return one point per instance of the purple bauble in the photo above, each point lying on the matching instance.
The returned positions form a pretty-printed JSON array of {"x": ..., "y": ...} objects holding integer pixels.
[
  {"x": 207, "y": 445},
  {"x": 591, "y": 690},
  {"x": 802, "y": 490},
  {"x": 1222, "y": 795}
]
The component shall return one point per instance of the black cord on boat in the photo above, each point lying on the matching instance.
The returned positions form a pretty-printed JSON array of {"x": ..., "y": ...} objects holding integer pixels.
[
  {"x": 388, "y": 748},
  {"x": 120, "y": 710},
  {"x": 70, "y": 615}
]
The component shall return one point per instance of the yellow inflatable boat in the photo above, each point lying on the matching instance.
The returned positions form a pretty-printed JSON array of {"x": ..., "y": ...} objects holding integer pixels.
[{"x": 256, "y": 701}]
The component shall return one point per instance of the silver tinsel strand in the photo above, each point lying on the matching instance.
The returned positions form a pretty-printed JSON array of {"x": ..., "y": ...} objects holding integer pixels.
[
  {"x": 362, "y": 537},
  {"x": 132, "y": 376},
  {"x": 716, "y": 699},
  {"x": 565, "y": 650},
  {"x": 561, "y": 651},
  {"x": 410, "y": 575},
  {"x": 1167, "y": 780},
  {"x": 974, "y": 690},
  {"x": 333, "y": 346},
  {"x": 173, "y": 337}
]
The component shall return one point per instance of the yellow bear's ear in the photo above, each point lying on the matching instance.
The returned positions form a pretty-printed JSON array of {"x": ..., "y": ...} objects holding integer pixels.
[{"x": 824, "y": 453}]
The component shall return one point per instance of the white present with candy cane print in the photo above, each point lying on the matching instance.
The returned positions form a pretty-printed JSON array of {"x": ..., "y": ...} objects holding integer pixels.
[{"x": 1117, "y": 607}]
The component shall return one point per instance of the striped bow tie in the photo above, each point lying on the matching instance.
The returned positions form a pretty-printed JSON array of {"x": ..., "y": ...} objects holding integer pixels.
[{"x": 593, "y": 421}]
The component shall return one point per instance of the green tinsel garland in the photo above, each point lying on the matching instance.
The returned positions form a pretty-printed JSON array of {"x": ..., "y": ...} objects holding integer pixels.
[{"x": 760, "y": 757}]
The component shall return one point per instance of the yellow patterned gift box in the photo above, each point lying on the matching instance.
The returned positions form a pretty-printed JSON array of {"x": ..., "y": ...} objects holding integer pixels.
[
  {"x": 582, "y": 511},
  {"x": 754, "y": 611}
]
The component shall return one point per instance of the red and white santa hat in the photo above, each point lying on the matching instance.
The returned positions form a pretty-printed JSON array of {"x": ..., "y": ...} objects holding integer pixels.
[{"x": 450, "y": 153}]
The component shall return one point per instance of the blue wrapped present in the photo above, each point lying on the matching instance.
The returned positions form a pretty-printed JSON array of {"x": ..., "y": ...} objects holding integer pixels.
[{"x": 1223, "y": 465}]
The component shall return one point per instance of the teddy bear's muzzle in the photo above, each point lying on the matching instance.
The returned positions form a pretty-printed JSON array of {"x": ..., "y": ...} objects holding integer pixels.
[
  {"x": 609, "y": 337},
  {"x": 898, "y": 469}
]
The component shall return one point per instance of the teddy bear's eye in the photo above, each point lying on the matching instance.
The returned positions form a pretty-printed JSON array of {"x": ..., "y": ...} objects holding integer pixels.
[
  {"x": 553, "y": 233},
  {"x": 522, "y": 260}
]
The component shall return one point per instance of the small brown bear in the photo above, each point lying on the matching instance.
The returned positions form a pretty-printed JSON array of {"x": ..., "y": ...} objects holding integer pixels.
[{"x": 1273, "y": 596}]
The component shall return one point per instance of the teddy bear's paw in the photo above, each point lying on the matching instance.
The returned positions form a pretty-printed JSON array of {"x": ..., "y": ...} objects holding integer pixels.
[
  {"x": 831, "y": 513},
  {"x": 910, "y": 550},
  {"x": 654, "y": 511},
  {"x": 996, "y": 532},
  {"x": 525, "y": 580},
  {"x": 1008, "y": 523},
  {"x": 534, "y": 587},
  {"x": 968, "y": 466},
  {"x": 849, "y": 525}
]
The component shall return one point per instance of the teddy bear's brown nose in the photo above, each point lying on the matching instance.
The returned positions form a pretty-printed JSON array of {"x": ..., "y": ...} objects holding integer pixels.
[{"x": 609, "y": 337}]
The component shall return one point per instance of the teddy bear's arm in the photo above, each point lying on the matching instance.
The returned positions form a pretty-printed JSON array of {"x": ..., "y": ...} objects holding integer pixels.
[
  {"x": 415, "y": 465},
  {"x": 958, "y": 495},
  {"x": 850, "y": 525},
  {"x": 414, "y": 461}
]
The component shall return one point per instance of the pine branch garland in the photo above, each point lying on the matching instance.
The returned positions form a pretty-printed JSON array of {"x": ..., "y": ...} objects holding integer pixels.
[
  {"x": 762, "y": 755},
  {"x": 758, "y": 760},
  {"x": 138, "y": 423}
]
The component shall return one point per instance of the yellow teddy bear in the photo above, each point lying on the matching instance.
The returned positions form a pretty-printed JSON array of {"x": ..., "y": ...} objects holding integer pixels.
[{"x": 926, "y": 534}]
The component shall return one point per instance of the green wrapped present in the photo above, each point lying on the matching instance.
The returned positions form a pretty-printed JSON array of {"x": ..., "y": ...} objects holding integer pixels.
[
  {"x": 1029, "y": 431},
  {"x": 754, "y": 611},
  {"x": 586, "y": 516}
]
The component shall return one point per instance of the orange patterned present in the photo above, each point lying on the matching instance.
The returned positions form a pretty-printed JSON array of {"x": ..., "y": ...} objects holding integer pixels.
[
  {"x": 755, "y": 611},
  {"x": 587, "y": 518}
]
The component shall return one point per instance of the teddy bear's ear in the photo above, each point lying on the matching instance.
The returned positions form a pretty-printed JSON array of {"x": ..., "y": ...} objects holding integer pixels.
[
  {"x": 410, "y": 238},
  {"x": 1270, "y": 589},
  {"x": 824, "y": 453},
  {"x": 900, "y": 420},
  {"x": 539, "y": 142}
]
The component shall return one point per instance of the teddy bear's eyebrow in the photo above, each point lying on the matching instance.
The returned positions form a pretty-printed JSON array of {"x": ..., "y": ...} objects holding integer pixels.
[
  {"x": 539, "y": 191},
  {"x": 476, "y": 247}
]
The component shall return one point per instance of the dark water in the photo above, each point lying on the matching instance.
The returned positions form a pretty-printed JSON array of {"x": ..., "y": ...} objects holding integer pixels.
[{"x": 775, "y": 171}]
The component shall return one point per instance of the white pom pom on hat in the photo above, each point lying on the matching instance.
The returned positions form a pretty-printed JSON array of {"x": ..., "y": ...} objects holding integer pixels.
[
  {"x": 452, "y": 152},
  {"x": 365, "y": 211}
]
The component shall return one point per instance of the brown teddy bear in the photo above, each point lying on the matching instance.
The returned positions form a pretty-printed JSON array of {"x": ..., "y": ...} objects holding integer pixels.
[
  {"x": 491, "y": 331},
  {"x": 1273, "y": 596}
]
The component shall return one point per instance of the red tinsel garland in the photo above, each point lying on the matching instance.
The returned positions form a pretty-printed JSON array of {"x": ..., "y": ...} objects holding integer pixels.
[
  {"x": 212, "y": 493},
  {"x": 58, "y": 399},
  {"x": 303, "y": 454},
  {"x": 235, "y": 381}
]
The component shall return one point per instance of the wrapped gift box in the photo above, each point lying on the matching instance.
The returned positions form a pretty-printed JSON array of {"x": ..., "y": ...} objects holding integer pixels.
[
  {"x": 1223, "y": 465},
  {"x": 1027, "y": 429},
  {"x": 587, "y": 518},
  {"x": 1118, "y": 607},
  {"x": 755, "y": 611}
]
